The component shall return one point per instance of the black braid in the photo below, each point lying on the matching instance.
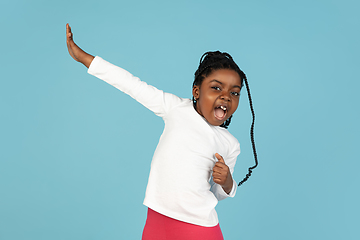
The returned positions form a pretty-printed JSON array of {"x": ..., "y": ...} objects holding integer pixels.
[
  {"x": 251, "y": 133},
  {"x": 210, "y": 61}
]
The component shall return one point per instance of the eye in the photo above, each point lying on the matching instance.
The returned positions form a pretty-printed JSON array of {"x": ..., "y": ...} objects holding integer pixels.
[
  {"x": 235, "y": 94},
  {"x": 216, "y": 88}
]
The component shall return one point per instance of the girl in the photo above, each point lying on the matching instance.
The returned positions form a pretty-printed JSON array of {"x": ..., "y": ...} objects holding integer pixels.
[{"x": 192, "y": 166}]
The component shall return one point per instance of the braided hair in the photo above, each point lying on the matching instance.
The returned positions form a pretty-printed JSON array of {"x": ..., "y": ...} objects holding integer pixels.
[{"x": 211, "y": 61}]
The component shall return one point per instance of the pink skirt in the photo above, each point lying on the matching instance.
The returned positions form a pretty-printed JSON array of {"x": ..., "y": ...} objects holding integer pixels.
[{"x": 160, "y": 227}]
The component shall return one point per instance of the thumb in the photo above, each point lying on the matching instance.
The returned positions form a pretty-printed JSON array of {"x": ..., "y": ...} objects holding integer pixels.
[{"x": 219, "y": 157}]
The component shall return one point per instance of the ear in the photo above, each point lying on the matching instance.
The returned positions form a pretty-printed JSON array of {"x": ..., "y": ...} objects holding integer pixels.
[{"x": 196, "y": 92}]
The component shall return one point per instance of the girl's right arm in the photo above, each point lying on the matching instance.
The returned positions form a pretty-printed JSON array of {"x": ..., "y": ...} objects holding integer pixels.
[
  {"x": 75, "y": 52},
  {"x": 149, "y": 96},
  {"x": 152, "y": 98}
]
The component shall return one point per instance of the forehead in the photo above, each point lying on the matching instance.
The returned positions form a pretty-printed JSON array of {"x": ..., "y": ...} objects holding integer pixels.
[{"x": 225, "y": 76}]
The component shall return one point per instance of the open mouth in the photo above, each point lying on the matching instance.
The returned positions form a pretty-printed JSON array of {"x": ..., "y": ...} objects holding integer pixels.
[{"x": 220, "y": 112}]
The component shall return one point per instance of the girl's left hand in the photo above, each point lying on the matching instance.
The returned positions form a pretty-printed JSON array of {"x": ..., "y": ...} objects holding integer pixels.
[{"x": 221, "y": 174}]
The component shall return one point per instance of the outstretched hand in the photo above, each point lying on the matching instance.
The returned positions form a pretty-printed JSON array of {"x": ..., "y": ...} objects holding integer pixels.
[
  {"x": 70, "y": 42},
  {"x": 75, "y": 52},
  {"x": 221, "y": 174}
]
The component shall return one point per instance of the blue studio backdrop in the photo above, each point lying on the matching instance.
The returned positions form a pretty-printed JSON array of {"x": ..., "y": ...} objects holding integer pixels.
[{"x": 75, "y": 152}]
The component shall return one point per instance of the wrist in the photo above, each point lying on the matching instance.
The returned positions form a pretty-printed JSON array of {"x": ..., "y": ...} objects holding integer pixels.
[
  {"x": 87, "y": 60},
  {"x": 228, "y": 186}
]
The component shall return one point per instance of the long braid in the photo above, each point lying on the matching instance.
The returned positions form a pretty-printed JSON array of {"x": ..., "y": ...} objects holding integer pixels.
[
  {"x": 251, "y": 132},
  {"x": 210, "y": 61}
]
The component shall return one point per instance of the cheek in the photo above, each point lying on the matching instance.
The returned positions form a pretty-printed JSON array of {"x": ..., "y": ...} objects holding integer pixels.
[
  {"x": 206, "y": 101},
  {"x": 235, "y": 105}
]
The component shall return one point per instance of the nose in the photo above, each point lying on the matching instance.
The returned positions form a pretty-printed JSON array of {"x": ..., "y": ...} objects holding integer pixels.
[{"x": 225, "y": 96}]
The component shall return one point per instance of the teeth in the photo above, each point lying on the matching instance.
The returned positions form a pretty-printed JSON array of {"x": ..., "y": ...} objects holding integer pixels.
[{"x": 223, "y": 108}]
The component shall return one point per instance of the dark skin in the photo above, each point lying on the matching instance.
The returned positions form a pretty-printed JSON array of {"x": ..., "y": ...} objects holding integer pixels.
[
  {"x": 220, "y": 88},
  {"x": 75, "y": 52},
  {"x": 224, "y": 91},
  {"x": 222, "y": 175}
]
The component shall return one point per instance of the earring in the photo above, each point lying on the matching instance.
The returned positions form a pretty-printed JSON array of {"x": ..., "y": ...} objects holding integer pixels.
[{"x": 194, "y": 102}]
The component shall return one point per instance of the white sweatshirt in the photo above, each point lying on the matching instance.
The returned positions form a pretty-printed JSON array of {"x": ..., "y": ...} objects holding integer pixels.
[{"x": 180, "y": 184}]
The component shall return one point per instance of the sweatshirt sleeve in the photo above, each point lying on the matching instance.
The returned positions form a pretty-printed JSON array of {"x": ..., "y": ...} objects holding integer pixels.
[
  {"x": 217, "y": 190},
  {"x": 152, "y": 98}
]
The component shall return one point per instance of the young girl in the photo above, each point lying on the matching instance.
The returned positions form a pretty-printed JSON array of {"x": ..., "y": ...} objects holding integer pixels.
[{"x": 192, "y": 166}]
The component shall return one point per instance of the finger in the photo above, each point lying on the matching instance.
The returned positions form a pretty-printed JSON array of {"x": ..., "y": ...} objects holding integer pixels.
[
  {"x": 216, "y": 172},
  {"x": 217, "y": 176},
  {"x": 68, "y": 31},
  {"x": 218, "y": 168},
  {"x": 217, "y": 180},
  {"x": 219, "y": 157}
]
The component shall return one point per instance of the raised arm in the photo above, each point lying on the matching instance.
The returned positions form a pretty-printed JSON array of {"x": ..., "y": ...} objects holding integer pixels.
[{"x": 75, "y": 52}]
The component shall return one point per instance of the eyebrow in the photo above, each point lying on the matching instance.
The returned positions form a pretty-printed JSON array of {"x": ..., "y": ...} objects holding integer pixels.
[{"x": 214, "y": 80}]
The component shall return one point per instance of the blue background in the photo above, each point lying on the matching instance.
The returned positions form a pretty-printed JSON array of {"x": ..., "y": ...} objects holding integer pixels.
[{"x": 75, "y": 152}]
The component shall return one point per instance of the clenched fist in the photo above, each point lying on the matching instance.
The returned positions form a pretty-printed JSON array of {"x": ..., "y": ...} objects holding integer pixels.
[{"x": 221, "y": 174}]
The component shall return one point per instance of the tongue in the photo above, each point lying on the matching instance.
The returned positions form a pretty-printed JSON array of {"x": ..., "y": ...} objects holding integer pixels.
[{"x": 219, "y": 113}]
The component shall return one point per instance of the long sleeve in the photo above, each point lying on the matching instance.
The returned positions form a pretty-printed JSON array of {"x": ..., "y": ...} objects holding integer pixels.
[
  {"x": 152, "y": 98},
  {"x": 178, "y": 185}
]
